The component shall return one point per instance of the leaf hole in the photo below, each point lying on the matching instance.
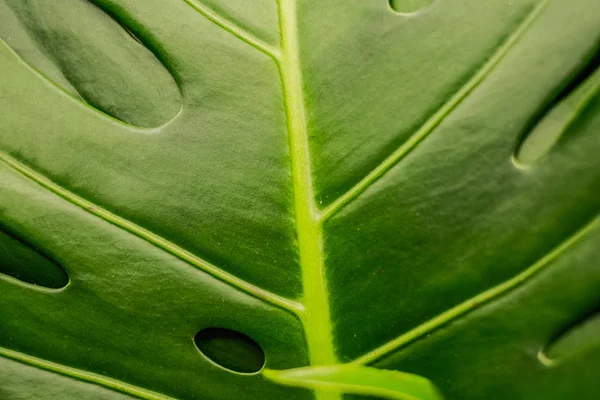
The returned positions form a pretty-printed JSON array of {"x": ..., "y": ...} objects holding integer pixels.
[
  {"x": 93, "y": 56},
  {"x": 582, "y": 336},
  {"x": 409, "y": 6},
  {"x": 550, "y": 125},
  {"x": 21, "y": 261},
  {"x": 231, "y": 350}
]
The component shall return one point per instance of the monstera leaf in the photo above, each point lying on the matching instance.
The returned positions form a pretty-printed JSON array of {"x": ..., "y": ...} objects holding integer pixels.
[{"x": 231, "y": 199}]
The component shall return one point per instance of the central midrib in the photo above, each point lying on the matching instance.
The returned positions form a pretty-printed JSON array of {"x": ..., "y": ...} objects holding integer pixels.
[{"x": 316, "y": 317}]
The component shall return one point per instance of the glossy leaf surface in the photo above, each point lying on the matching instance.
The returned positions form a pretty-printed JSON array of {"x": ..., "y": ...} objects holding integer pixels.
[{"x": 407, "y": 185}]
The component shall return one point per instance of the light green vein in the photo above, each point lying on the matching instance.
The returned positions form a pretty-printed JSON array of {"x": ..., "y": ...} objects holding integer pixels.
[
  {"x": 84, "y": 376},
  {"x": 436, "y": 119},
  {"x": 316, "y": 318},
  {"x": 235, "y": 30},
  {"x": 152, "y": 238},
  {"x": 477, "y": 301}
]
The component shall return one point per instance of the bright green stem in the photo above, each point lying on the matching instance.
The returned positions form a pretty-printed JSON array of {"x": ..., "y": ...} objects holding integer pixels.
[{"x": 316, "y": 317}]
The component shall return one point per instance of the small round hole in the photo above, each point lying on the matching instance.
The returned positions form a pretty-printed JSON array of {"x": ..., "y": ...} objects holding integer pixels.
[
  {"x": 409, "y": 6},
  {"x": 230, "y": 349}
]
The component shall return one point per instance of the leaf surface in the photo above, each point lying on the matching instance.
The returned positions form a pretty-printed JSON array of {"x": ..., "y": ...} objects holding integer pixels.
[{"x": 405, "y": 185}]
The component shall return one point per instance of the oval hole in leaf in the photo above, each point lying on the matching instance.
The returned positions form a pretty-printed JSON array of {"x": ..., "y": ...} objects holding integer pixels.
[
  {"x": 88, "y": 54},
  {"x": 560, "y": 114},
  {"x": 409, "y": 6},
  {"x": 25, "y": 264},
  {"x": 230, "y": 349},
  {"x": 578, "y": 338}
]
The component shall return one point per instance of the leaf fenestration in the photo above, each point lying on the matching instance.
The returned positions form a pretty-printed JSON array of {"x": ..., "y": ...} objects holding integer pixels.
[{"x": 339, "y": 182}]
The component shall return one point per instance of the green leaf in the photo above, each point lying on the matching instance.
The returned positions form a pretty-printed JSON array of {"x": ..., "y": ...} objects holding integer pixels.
[
  {"x": 357, "y": 379},
  {"x": 194, "y": 193}
]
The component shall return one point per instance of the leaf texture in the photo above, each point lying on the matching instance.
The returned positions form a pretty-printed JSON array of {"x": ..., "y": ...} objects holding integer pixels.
[{"x": 406, "y": 185}]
